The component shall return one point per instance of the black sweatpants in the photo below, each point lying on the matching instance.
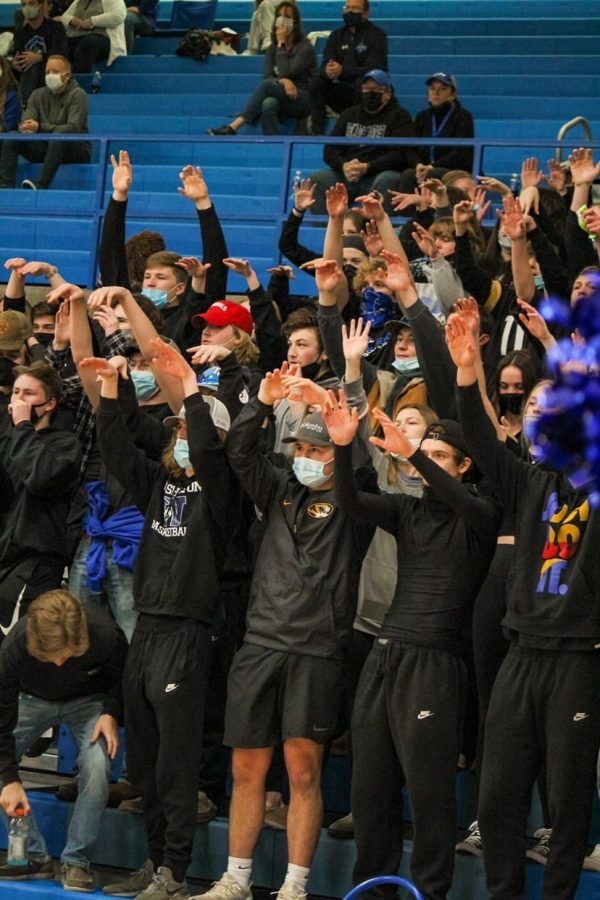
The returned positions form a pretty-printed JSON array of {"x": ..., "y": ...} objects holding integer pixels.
[
  {"x": 545, "y": 705},
  {"x": 406, "y": 728},
  {"x": 164, "y": 687}
]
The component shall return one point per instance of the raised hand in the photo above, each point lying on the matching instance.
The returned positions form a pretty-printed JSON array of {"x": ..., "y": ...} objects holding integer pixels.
[
  {"x": 273, "y": 386},
  {"x": 122, "y": 176},
  {"x": 402, "y": 201},
  {"x": 372, "y": 206},
  {"x": 169, "y": 360},
  {"x": 193, "y": 186},
  {"x": 482, "y": 203},
  {"x": 556, "y": 177},
  {"x": 583, "y": 170},
  {"x": 208, "y": 354},
  {"x": 494, "y": 185},
  {"x": 106, "y": 369},
  {"x": 394, "y": 440},
  {"x": 304, "y": 194},
  {"x": 16, "y": 262},
  {"x": 239, "y": 266},
  {"x": 36, "y": 267},
  {"x": 62, "y": 326},
  {"x": 533, "y": 321},
  {"x": 397, "y": 278},
  {"x": 341, "y": 421},
  {"x": 463, "y": 212},
  {"x": 460, "y": 342},
  {"x": 336, "y": 200},
  {"x": 193, "y": 266},
  {"x": 287, "y": 271},
  {"x": 104, "y": 296},
  {"x": 424, "y": 241},
  {"x": 434, "y": 185},
  {"x": 512, "y": 219},
  {"x": 531, "y": 174},
  {"x": 66, "y": 291},
  {"x": 529, "y": 199},
  {"x": 327, "y": 274},
  {"x": 355, "y": 339},
  {"x": 591, "y": 217},
  {"x": 303, "y": 390},
  {"x": 468, "y": 310},
  {"x": 107, "y": 319},
  {"x": 372, "y": 238}
]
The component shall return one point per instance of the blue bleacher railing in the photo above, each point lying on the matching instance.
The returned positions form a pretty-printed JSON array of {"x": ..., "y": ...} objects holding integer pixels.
[{"x": 109, "y": 143}]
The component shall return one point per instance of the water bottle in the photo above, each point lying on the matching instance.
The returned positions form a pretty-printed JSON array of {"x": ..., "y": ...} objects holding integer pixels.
[
  {"x": 18, "y": 829},
  {"x": 296, "y": 181},
  {"x": 514, "y": 183},
  {"x": 96, "y": 83}
]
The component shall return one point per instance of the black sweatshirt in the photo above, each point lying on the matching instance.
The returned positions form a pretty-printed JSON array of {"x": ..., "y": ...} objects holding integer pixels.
[
  {"x": 554, "y": 597},
  {"x": 98, "y": 671},
  {"x": 43, "y": 470},
  {"x": 358, "y": 49},
  {"x": 304, "y": 590},
  {"x": 187, "y": 520},
  {"x": 459, "y": 124},
  {"x": 445, "y": 543},
  {"x": 355, "y": 122}
]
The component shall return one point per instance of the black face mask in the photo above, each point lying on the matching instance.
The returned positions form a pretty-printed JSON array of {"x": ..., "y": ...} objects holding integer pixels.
[
  {"x": 372, "y": 101},
  {"x": 311, "y": 370},
  {"x": 352, "y": 19},
  {"x": 44, "y": 337},
  {"x": 510, "y": 403},
  {"x": 349, "y": 271}
]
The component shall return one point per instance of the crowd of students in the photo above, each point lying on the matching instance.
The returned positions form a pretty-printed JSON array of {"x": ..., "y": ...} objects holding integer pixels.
[{"x": 307, "y": 514}]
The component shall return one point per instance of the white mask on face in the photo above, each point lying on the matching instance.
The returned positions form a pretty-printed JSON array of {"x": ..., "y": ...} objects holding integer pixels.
[
  {"x": 284, "y": 22},
  {"x": 54, "y": 81},
  {"x": 30, "y": 11}
]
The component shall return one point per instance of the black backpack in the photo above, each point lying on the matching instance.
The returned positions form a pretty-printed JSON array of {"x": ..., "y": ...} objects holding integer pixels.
[{"x": 196, "y": 43}]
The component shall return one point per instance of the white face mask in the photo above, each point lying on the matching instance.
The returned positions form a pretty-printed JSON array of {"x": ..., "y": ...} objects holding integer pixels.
[
  {"x": 30, "y": 11},
  {"x": 54, "y": 81},
  {"x": 284, "y": 22}
]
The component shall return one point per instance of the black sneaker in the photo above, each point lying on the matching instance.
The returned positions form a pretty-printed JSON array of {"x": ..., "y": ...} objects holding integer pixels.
[
  {"x": 224, "y": 129},
  {"x": 33, "y": 869}
]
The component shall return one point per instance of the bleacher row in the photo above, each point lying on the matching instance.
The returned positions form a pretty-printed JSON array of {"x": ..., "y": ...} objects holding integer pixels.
[{"x": 523, "y": 70}]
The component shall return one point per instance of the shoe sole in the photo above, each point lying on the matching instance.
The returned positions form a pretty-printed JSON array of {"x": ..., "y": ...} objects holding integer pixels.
[
  {"x": 467, "y": 850},
  {"x": 78, "y": 890},
  {"x": 536, "y": 857}
]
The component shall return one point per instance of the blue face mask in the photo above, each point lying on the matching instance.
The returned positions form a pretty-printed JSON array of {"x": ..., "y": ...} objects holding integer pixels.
[
  {"x": 310, "y": 472},
  {"x": 181, "y": 454},
  {"x": 158, "y": 297},
  {"x": 539, "y": 282},
  {"x": 378, "y": 308},
  {"x": 144, "y": 383},
  {"x": 530, "y": 434},
  {"x": 404, "y": 366}
]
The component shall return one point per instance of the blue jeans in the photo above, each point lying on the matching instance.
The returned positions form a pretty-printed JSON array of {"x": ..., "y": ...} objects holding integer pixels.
[
  {"x": 382, "y": 182},
  {"x": 81, "y": 714},
  {"x": 270, "y": 104},
  {"x": 118, "y": 587},
  {"x": 136, "y": 23}
]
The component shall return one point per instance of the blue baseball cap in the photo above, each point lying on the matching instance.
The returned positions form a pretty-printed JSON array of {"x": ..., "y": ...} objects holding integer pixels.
[
  {"x": 382, "y": 78},
  {"x": 445, "y": 78},
  {"x": 210, "y": 378}
]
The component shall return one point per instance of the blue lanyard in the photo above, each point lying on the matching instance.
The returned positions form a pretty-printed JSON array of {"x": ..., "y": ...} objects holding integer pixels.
[{"x": 436, "y": 131}]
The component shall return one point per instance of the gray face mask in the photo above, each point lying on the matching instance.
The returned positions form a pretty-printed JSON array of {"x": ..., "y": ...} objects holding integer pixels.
[{"x": 504, "y": 241}]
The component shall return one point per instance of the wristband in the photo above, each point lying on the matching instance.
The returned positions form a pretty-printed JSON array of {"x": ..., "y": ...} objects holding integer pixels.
[{"x": 299, "y": 211}]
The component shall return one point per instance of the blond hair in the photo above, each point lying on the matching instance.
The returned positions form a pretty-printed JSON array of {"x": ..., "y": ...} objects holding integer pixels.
[{"x": 56, "y": 624}]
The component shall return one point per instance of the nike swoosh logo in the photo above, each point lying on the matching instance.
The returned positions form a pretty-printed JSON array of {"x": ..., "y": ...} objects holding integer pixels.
[
  {"x": 15, "y": 616},
  {"x": 579, "y": 716},
  {"x": 170, "y": 687},
  {"x": 425, "y": 714},
  {"x": 287, "y": 503}
]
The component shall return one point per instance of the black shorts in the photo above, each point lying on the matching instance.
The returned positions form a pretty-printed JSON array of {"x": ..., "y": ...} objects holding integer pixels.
[{"x": 274, "y": 696}]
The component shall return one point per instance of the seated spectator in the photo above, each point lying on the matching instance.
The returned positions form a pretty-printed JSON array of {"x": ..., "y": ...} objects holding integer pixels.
[
  {"x": 290, "y": 63},
  {"x": 350, "y": 52},
  {"x": 363, "y": 168},
  {"x": 35, "y": 40},
  {"x": 10, "y": 103},
  {"x": 444, "y": 117},
  {"x": 61, "y": 664},
  {"x": 95, "y": 32},
  {"x": 140, "y": 19},
  {"x": 60, "y": 107}
]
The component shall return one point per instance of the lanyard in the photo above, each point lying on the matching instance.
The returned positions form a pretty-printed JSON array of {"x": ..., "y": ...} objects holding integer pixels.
[{"x": 437, "y": 130}]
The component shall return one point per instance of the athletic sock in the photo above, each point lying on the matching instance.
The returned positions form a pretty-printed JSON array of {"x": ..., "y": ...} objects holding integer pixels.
[
  {"x": 298, "y": 875},
  {"x": 240, "y": 869}
]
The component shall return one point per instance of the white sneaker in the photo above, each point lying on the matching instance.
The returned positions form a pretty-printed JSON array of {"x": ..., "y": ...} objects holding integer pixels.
[
  {"x": 227, "y": 888},
  {"x": 592, "y": 862},
  {"x": 539, "y": 853},
  {"x": 472, "y": 843},
  {"x": 290, "y": 891}
]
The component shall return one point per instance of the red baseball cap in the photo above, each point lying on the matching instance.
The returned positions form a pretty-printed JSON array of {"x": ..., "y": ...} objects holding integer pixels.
[{"x": 227, "y": 312}]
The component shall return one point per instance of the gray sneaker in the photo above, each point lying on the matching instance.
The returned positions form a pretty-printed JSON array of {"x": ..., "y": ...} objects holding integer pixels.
[
  {"x": 76, "y": 878},
  {"x": 133, "y": 884},
  {"x": 342, "y": 828},
  {"x": 227, "y": 888},
  {"x": 164, "y": 887}
]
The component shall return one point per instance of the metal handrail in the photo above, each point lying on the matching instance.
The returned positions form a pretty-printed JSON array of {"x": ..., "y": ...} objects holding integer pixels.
[{"x": 578, "y": 120}]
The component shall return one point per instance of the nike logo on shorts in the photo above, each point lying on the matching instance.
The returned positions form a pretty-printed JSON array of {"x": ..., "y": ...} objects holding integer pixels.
[
  {"x": 171, "y": 687},
  {"x": 425, "y": 714},
  {"x": 578, "y": 717}
]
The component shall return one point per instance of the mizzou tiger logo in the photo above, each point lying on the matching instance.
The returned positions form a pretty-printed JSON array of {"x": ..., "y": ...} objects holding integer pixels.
[{"x": 320, "y": 510}]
